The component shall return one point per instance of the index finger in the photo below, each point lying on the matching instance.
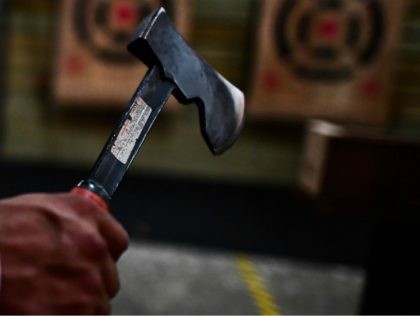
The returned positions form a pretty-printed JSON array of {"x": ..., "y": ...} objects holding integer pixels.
[
  {"x": 114, "y": 234},
  {"x": 110, "y": 229}
]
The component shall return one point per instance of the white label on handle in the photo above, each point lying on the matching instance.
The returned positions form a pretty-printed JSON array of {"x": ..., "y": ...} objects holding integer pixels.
[{"x": 131, "y": 130}]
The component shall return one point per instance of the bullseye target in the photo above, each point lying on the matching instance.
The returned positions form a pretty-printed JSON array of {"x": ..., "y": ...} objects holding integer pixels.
[
  {"x": 93, "y": 65},
  {"x": 325, "y": 58},
  {"x": 106, "y": 26},
  {"x": 329, "y": 40}
]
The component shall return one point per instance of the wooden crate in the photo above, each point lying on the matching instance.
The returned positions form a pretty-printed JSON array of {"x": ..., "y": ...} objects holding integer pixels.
[
  {"x": 360, "y": 170},
  {"x": 93, "y": 67},
  {"x": 325, "y": 59}
]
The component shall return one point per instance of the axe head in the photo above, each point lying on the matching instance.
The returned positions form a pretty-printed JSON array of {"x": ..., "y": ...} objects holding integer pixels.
[{"x": 221, "y": 104}]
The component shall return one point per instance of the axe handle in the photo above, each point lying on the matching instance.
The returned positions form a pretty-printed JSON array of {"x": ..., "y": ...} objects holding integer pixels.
[{"x": 126, "y": 139}]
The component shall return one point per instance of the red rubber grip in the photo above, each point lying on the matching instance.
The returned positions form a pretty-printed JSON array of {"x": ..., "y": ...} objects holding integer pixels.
[{"x": 91, "y": 196}]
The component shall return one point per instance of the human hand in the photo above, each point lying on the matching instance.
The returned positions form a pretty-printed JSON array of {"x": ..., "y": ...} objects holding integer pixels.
[{"x": 58, "y": 254}]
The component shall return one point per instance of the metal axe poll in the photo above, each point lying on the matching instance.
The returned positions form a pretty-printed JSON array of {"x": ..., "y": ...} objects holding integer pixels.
[{"x": 174, "y": 68}]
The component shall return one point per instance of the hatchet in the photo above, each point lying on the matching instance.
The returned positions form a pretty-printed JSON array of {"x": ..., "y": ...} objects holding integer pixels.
[{"x": 174, "y": 68}]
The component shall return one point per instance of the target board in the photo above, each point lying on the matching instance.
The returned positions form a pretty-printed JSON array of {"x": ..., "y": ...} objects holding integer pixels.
[
  {"x": 325, "y": 58},
  {"x": 93, "y": 66}
]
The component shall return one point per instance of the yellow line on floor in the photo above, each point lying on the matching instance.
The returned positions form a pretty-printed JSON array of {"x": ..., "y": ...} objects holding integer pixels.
[{"x": 256, "y": 287}]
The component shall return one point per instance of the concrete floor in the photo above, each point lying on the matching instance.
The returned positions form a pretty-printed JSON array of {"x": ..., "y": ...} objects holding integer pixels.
[{"x": 164, "y": 279}]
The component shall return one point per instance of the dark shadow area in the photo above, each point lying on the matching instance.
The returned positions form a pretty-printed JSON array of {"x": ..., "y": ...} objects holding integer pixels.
[
  {"x": 269, "y": 220},
  {"x": 393, "y": 276}
]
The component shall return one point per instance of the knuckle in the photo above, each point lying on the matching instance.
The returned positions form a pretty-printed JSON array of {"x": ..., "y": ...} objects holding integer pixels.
[
  {"x": 97, "y": 243},
  {"x": 120, "y": 240},
  {"x": 124, "y": 240},
  {"x": 92, "y": 281},
  {"x": 91, "y": 244}
]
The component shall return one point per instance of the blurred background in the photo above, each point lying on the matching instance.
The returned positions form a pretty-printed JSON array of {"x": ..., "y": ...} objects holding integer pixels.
[{"x": 320, "y": 193}]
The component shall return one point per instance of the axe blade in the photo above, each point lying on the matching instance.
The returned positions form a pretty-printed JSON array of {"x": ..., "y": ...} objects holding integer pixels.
[{"x": 221, "y": 105}]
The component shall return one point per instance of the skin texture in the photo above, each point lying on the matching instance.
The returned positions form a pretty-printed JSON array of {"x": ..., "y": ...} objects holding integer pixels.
[{"x": 58, "y": 254}]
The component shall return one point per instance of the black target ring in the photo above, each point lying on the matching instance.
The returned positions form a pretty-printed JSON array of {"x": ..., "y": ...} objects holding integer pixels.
[
  {"x": 311, "y": 71},
  {"x": 100, "y": 20}
]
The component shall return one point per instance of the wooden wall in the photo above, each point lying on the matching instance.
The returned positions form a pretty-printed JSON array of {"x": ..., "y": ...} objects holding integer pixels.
[{"x": 267, "y": 152}]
